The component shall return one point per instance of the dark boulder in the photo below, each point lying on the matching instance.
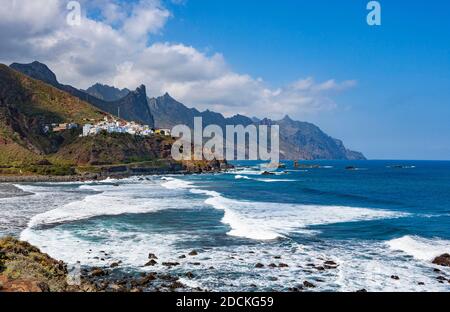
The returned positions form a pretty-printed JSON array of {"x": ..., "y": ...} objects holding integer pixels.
[
  {"x": 118, "y": 288},
  {"x": 309, "y": 284},
  {"x": 170, "y": 264},
  {"x": 190, "y": 275},
  {"x": 147, "y": 279},
  {"x": 443, "y": 260},
  {"x": 152, "y": 256},
  {"x": 176, "y": 285},
  {"x": 330, "y": 265},
  {"x": 96, "y": 272},
  {"x": 168, "y": 277},
  {"x": 151, "y": 263},
  {"x": 43, "y": 287},
  {"x": 298, "y": 288}
]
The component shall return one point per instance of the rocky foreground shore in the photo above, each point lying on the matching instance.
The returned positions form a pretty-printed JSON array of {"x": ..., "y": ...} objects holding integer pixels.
[{"x": 24, "y": 268}]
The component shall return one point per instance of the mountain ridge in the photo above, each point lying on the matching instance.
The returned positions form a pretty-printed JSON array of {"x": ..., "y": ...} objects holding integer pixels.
[
  {"x": 107, "y": 93},
  {"x": 133, "y": 106},
  {"x": 298, "y": 139}
]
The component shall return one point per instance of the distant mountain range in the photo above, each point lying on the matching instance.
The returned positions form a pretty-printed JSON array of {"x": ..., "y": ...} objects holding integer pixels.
[
  {"x": 298, "y": 140},
  {"x": 107, "y": 93},
  {"x": 133, "y": 106}
]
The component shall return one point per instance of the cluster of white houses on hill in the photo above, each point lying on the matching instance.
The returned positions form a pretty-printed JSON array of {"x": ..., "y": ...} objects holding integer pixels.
[{"x": 110, "y": 126}]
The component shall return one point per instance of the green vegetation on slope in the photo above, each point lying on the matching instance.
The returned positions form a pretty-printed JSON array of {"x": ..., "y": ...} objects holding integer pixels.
[
  {"x": 116, "y": 148},
  {"x": 24, "y": 268},
  {"x": 26, "y": 107},
  {"x": 34, "y": 98}
]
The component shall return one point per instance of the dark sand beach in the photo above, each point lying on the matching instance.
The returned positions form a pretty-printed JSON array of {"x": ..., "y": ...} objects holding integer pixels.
[{"x": 9, "y": 190}]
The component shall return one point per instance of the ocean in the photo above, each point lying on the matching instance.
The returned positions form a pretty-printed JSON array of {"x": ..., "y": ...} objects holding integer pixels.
[{"x": 382, "y": 223}]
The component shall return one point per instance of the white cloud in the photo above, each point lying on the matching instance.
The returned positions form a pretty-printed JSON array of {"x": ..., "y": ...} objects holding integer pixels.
[
  {"x": 113, "y": 48},
  {"x": 147, "y": 17}
]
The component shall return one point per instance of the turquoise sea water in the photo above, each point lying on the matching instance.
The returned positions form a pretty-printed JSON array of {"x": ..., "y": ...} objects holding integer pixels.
[{"x": 381, "y": 219}]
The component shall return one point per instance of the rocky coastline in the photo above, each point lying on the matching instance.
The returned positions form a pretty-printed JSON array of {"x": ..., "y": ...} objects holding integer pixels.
[
  {"x": 121, "y": 172},
  {"x": 24, "y": 268},
  {"x": 80, "y": 177}
]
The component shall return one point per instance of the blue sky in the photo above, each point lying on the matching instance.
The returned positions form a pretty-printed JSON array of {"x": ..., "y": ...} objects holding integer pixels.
[{"x": 401, "y": 105}]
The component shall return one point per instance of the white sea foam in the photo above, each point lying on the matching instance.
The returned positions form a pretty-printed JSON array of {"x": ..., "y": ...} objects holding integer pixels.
[
  {"x": 111, "y": 201},
  {"x": 91, "y": 206},
  {"x": 246, "y": 172},
  {"x": 102, "y": 246},
  {"x": 173, "y": 183},
  {"x": 16, "y": 212},
  {"x": 253, "y": 172},
  {"x": 266, "y": 180},
  {"x": 419, "y": 247},
  {"x": 249, "y": 219},
  {"x": 27, "y": 188},
  {"x": 205, "y": 192},
  {"x": 268, "y": 221},
  {"x": 370, "y": 265}
]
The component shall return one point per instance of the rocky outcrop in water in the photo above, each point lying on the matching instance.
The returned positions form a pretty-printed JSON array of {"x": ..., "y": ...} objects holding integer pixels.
[{"x": 443, "y": 260}]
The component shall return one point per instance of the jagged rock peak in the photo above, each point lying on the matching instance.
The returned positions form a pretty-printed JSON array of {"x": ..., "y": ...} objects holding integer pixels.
[
  {"x": 141, "y": 89},
  {"x": 287, "y": 118},
  {"x": 36, "y": 70}
]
